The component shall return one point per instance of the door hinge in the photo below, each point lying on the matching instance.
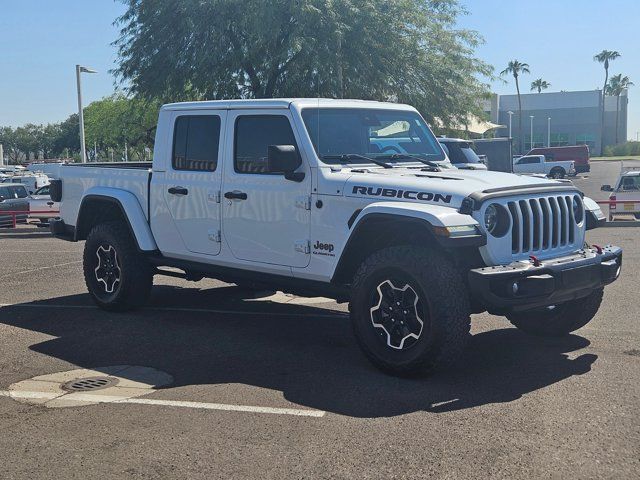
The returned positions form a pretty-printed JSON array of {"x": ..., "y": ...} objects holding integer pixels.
[
  {"x": 215, "y": 236},
  {"x": 303, "y": 202},
  {"x": 215, "y": 196},
  {"x": 303, "y": 246}
]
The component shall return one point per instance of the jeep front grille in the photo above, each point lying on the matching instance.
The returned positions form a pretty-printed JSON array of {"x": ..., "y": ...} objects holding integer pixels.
[{"x": 543, "y": 223}]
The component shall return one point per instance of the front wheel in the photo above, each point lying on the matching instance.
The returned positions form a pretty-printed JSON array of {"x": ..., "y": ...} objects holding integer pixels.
[
  {"x": 559, "y": 320},
  {"x": 117, "y": 276},
  {"x": 410, "y": 310}
]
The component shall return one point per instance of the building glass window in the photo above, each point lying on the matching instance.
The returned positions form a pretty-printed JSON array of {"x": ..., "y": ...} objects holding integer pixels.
[
  {"x": 559, "y": 139},
  {"x": 586, "y": 139},
  {"x": 538, "y": 141}
]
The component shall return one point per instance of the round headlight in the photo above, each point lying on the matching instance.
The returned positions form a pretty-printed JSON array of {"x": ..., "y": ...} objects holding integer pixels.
[
  {"x": 578, "y": 210},
  {"x": 491, "y": 218},
  {"x": 496, "y": 220}
]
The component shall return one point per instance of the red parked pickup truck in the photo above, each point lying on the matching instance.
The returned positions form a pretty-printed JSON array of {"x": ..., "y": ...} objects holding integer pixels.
[{"x": 578, "y": 153}]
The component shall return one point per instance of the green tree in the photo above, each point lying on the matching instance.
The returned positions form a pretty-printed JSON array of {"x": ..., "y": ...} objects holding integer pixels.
[
  {"x": 604, "y": 57},
  {"x": 616, "y": 87},
  {"x": 118, "y": 122},
  {"x": 517, "y": 68},
  {"x": 403, "y": 50},
  {"x": 539, "y": 84}
]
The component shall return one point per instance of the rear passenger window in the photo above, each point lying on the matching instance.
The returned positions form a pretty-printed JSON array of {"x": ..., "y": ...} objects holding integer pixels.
[
  {"x": 195, "y": 143},
  {"x": 253, "y": 136}
]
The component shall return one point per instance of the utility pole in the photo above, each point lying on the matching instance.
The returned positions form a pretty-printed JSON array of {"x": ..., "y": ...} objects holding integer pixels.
[
  {"x": 510, "y": 115},
  {"x": 79, "y": 70},
  {"x": 548, "y": 131}
]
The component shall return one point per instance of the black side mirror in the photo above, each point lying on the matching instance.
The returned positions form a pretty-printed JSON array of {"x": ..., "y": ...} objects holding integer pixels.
[
  {"x": 606, "y": 188},
  {"x": 285, "y": 159},
  {"x": 1, "y": 199}
]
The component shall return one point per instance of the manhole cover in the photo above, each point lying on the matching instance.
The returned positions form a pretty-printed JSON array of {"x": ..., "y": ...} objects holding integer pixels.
[{"x": 89, "y": 384}]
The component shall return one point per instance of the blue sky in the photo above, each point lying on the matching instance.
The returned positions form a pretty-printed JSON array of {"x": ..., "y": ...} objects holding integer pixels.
[{"x": 42, "y": 40}]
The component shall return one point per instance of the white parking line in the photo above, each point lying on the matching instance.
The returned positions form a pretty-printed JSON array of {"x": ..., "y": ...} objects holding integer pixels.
[
  {"x": 40, "y": 268},
  {"x": 186, "y": 310},
  {"x": 93, "y": 398}
]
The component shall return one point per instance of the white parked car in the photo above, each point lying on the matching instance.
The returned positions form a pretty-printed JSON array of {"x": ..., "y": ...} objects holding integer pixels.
[
  {"x": 461, "y": 154},
  {"x": 299, "y": 194},
  {"x": 537, "y": 164},
  {"x": 50, "y": 169},
  {"x": 31, "y": 181},
  {"x": 45, "y": 208},
  {"x": 626, "y": 189}
]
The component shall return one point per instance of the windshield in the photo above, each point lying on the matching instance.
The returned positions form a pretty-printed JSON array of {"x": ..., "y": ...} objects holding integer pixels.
[
  {"x": 461, "y": 152},
  {"x": 393, "y": 135}
]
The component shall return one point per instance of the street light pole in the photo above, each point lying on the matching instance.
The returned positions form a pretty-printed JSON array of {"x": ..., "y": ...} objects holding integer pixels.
[
  {"x": 548, "y": 131},
  {"x": 531, "y": 143},
  {"x": 80, "y": 69},
  {"x": 510, "y": 115}
]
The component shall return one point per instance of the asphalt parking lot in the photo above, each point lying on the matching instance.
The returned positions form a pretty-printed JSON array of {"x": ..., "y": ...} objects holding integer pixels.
[{"x": 272, "y": 386}]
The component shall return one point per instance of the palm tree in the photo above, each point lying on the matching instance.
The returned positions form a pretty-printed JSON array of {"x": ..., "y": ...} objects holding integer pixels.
[
  {"x": 605, "y": 56},
  {"x": 539, "y": 85},
  {"x": 516, "y": 68},
  {"x": 617, "y": 85}
]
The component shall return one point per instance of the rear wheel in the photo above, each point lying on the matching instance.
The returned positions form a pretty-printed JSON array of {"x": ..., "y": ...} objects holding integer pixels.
[
  {"x": 557, "y": 173},
  {"x": 117, "y": 276},
  {"x": 410, "y": 310},
  {"x": 559, "y": 320}
]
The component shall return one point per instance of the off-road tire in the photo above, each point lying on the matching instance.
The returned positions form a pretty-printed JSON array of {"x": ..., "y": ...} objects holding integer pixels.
[
  {"x": 136, "y": 274},
  {"x": 560, "y": 320},
  {"x": 443, "y": 299},
  {"x": 558, "y": 172}
]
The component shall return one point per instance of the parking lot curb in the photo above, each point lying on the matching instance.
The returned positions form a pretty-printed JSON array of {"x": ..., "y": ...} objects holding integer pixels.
[{"x": 622, "y": 223}]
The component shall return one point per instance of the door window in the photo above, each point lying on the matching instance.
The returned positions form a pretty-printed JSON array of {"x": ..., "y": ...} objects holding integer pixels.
[
  {"x": 528, "y": 160},
  {"x": 253, "y": 135},
  {"x": 195, "y": 143}
]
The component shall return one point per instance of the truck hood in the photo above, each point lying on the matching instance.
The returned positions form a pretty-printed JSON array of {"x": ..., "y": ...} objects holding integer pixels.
[{"x": 447, "y": 188}]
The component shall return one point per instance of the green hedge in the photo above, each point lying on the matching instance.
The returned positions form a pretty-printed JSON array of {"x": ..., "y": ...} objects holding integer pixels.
[{"x": 627, "y": 148}]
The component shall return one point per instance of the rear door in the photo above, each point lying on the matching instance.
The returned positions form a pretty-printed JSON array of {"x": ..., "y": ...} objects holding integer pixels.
[{"x": 193, "y": 178}]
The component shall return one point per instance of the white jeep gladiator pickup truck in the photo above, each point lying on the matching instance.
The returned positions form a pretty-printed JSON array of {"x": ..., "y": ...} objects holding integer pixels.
[{"x": 300, "y": 195}]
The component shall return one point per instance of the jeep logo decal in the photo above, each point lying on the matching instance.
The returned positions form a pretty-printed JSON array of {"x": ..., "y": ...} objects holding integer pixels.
[{"x": 408, "y": 194}]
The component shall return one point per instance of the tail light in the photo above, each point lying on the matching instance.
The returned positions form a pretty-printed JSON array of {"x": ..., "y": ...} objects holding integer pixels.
[{"x": 612, "y": 206}]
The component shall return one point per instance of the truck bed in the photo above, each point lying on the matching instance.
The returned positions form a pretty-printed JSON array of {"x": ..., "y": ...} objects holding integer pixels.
[{"x": 78, "y": 179}]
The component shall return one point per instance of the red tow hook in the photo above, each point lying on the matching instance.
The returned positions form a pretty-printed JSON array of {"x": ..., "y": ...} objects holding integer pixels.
[
  {"x": 598, "y": 249},
  {"x": 536, "y": 262}
]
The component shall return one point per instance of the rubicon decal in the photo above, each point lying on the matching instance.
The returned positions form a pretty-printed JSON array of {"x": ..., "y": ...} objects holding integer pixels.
[{"x": 408, "y": 194}]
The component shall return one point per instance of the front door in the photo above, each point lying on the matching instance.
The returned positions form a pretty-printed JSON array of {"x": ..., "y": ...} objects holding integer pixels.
[
  {"x": 266, "y": 218},
  {"x": 193, "y": 179}
]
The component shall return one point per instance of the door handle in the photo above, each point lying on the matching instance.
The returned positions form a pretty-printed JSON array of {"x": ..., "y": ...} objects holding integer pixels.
[
  {"x": 50, "y": 203},
  {"x": 178, "y": 191},
  {"x": 235, "y": 195}
]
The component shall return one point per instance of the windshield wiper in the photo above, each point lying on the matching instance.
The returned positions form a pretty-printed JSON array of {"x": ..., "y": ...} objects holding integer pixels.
[
  {"x": 398, "y": 156},
  {"x": 345, "y": 157}
]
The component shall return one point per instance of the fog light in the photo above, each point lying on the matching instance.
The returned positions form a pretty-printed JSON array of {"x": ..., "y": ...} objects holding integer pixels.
[{"x": 515, "y": 287}]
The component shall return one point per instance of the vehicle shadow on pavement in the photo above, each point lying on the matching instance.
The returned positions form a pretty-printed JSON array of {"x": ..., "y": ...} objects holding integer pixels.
[{"x": 305, "y": 352}]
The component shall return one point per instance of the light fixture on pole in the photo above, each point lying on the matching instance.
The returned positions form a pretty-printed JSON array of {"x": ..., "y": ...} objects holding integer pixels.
[
  {"x": 79, "y": 70},
  {"x": 531, "y": 137},
  {"x": 510, "y": 115},
  {"x": 548, "y": 131}
]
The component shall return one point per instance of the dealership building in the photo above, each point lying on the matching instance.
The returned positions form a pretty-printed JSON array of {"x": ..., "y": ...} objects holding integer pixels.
[{"x": 560, "y": 118}]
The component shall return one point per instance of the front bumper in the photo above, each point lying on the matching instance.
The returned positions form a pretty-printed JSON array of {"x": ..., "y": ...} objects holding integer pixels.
[{"x": 523, "y": 286}]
